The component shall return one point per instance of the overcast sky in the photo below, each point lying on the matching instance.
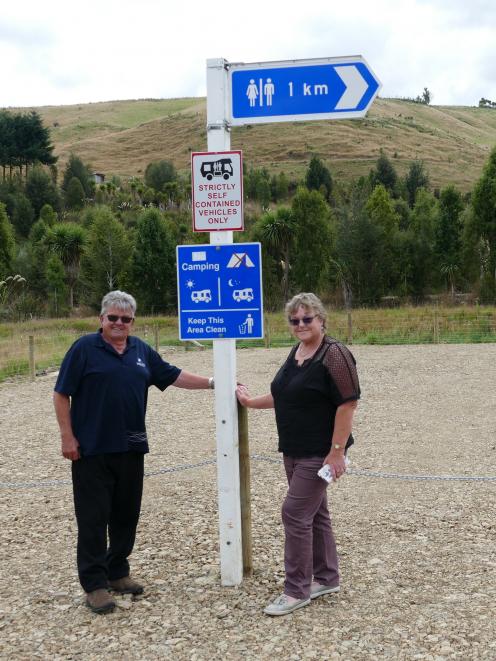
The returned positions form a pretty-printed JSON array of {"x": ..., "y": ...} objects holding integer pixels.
[{"x": 57, "y": 52}]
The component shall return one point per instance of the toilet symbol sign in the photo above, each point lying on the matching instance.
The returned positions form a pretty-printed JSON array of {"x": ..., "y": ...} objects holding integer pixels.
[
  {"x": 217, "y": 191},
  {"x": 220, "y": 291},
  {"x": 293, "y": 90},
  {"x": 260, "y": 94}
]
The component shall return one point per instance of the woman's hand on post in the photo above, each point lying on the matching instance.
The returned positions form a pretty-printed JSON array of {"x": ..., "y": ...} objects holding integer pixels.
[
  {"x": 242, "y": 394},
  {"x": 259, "y": 402}
]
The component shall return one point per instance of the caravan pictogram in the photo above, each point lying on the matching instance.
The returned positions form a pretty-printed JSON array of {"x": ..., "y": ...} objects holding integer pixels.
[{"x": 221, "y": 168}]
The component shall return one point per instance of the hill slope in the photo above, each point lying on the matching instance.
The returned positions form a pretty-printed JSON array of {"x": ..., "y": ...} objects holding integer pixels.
[{"x": 122, "y": 137}]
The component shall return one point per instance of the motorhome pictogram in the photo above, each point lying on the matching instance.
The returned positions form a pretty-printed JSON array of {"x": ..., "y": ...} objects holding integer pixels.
[{"x": 221, "y": 168}]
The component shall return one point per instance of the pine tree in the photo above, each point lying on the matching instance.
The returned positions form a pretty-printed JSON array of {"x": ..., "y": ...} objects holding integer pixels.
[
  {"x": 7, "y": 243},
  {"x": 314, "y": 238},
  {"x": 415, "y": 179},
  {"x": 76, "y": 168},
  {"x": 23, "y": 215},
  {"x": 41, "y": 190},
  {"x": 106, "y": 262},
  {"x": 448, "y": 235},
  {"x": 484, "y": 214},
  {"x": 74, "y": 195},
  {"x": 153, "y": 263},
  {"x": 319, "y": 178},
  {"x": 385, "y": 174}
]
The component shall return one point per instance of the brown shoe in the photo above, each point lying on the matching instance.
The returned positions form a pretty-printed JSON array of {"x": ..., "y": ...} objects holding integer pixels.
[
  {"x": 100, "y": 601},
  {"x": 126, "y": 585}
]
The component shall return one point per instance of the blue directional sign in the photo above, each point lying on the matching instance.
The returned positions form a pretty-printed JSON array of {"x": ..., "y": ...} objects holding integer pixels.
[
  {"x": 334, "y": 88},
  {"x": 220, "y": 291}
]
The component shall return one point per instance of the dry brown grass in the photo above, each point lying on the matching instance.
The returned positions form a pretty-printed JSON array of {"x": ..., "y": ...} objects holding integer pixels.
[{"x": 122, "y": 137}]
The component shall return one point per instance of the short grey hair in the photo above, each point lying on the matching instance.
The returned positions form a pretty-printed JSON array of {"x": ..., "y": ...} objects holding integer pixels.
[
  {"x": 120, "y": 300},
  {"x": 310, "y": 302}
]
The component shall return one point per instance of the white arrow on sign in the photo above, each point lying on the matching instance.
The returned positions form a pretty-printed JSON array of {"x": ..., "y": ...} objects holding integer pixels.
[
  {"x": 356, "y": 87},
  {"x": 301, "y": 90}
]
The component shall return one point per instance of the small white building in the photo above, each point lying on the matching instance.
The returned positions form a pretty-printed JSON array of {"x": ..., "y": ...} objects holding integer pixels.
[{"x": 98, "y": 177}]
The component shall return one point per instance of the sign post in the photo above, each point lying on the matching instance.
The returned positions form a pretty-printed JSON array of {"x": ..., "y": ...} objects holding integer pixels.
[
  {"x": 237, "y": 94},
  {"x": 226, "y": 413}
]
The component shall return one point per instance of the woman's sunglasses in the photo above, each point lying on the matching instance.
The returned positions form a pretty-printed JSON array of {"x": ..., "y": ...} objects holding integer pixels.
[
  {"x": 305, "y": 320},
  {"x": 115, "y": 317}
]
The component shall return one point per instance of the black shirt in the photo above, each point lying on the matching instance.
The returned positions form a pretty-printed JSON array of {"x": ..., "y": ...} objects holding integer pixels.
[{"x": 306, "y": 398}]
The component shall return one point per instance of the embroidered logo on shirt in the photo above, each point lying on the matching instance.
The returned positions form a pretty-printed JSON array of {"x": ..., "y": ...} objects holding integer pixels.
[
  {"x": 140, "y": 363},
  {"x": 136, "y": 436}
]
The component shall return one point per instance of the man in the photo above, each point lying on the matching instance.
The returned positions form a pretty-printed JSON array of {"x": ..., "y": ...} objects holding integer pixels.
[{"x": 100, "y": 402}]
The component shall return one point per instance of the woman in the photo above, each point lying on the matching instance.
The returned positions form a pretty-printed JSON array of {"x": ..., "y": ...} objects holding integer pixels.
[{"x": 314, "y": 395}]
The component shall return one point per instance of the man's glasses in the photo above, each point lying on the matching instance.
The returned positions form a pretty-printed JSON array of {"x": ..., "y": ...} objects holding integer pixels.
[
  {"x": 115, "y": 317},
  {"x": 305, "y": 320}
]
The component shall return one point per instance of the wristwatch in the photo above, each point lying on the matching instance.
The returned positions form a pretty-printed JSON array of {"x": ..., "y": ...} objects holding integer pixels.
[{"x": 336, "y": 446}]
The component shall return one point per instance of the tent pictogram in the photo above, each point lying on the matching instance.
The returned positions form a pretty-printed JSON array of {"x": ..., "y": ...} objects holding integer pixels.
[{"x": 240, "y": 259}]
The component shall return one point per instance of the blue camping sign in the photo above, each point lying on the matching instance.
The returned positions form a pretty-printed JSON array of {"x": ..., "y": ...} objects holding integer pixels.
[{"x": 220, "y": 291}]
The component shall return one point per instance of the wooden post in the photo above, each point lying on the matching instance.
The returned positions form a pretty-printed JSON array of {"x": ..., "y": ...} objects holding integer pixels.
[
  {"x": 32, "y": 366},
  {"x": 350, "y": 328},
  {"x": 244, "y": 483},
  {"x": 267, "y": 333},
  {"x": 436, "y": 327},
  {"x": 157, "y": 340}
]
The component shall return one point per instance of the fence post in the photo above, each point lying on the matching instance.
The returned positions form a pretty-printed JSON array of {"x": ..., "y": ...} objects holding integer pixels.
[
  {"x": 436, "y": 327},
  {"x": 32, "y": 365},
  {"x": 155, "y": 330},
  {"x": 244, "y": 484},
  {"x": 350, "y": 328},
  {"x": 267, "y": 333}
]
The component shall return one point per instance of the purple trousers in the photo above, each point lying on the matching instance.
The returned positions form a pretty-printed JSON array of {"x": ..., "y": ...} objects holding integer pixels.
[{"x": 310, "y": 549}]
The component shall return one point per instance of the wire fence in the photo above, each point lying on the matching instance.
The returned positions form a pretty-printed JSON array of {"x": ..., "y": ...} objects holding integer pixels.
[
  {"x": 356, "y": 472},
  {"x": 27, "y": 352},
  {"x": 32, "y": 353}
]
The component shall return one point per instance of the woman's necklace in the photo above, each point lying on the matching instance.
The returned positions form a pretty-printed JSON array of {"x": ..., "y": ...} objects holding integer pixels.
[{"x": 304, "y": 355}]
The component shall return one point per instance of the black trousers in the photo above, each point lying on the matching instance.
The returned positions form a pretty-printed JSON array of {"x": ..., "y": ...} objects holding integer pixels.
[{"x": 107, "y": 499}]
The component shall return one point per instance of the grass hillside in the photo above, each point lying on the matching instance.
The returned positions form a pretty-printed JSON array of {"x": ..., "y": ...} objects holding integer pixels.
[{"x": 122, "y": 137}]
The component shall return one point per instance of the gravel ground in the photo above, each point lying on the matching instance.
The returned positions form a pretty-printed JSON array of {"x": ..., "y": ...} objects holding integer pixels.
[{"x": 418, "y": 558}]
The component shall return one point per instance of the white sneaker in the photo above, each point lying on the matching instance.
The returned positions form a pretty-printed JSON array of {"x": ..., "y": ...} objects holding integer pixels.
[
  {"x": 317, "y": 590},
  {"x": 284, "y": 605}
]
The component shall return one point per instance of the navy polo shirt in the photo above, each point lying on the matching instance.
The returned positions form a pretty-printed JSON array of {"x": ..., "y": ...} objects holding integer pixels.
[{"x": 109, "y": 392}]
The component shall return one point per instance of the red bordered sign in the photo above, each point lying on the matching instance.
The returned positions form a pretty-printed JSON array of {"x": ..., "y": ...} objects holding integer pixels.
[{"x": 217, "y": 191}]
